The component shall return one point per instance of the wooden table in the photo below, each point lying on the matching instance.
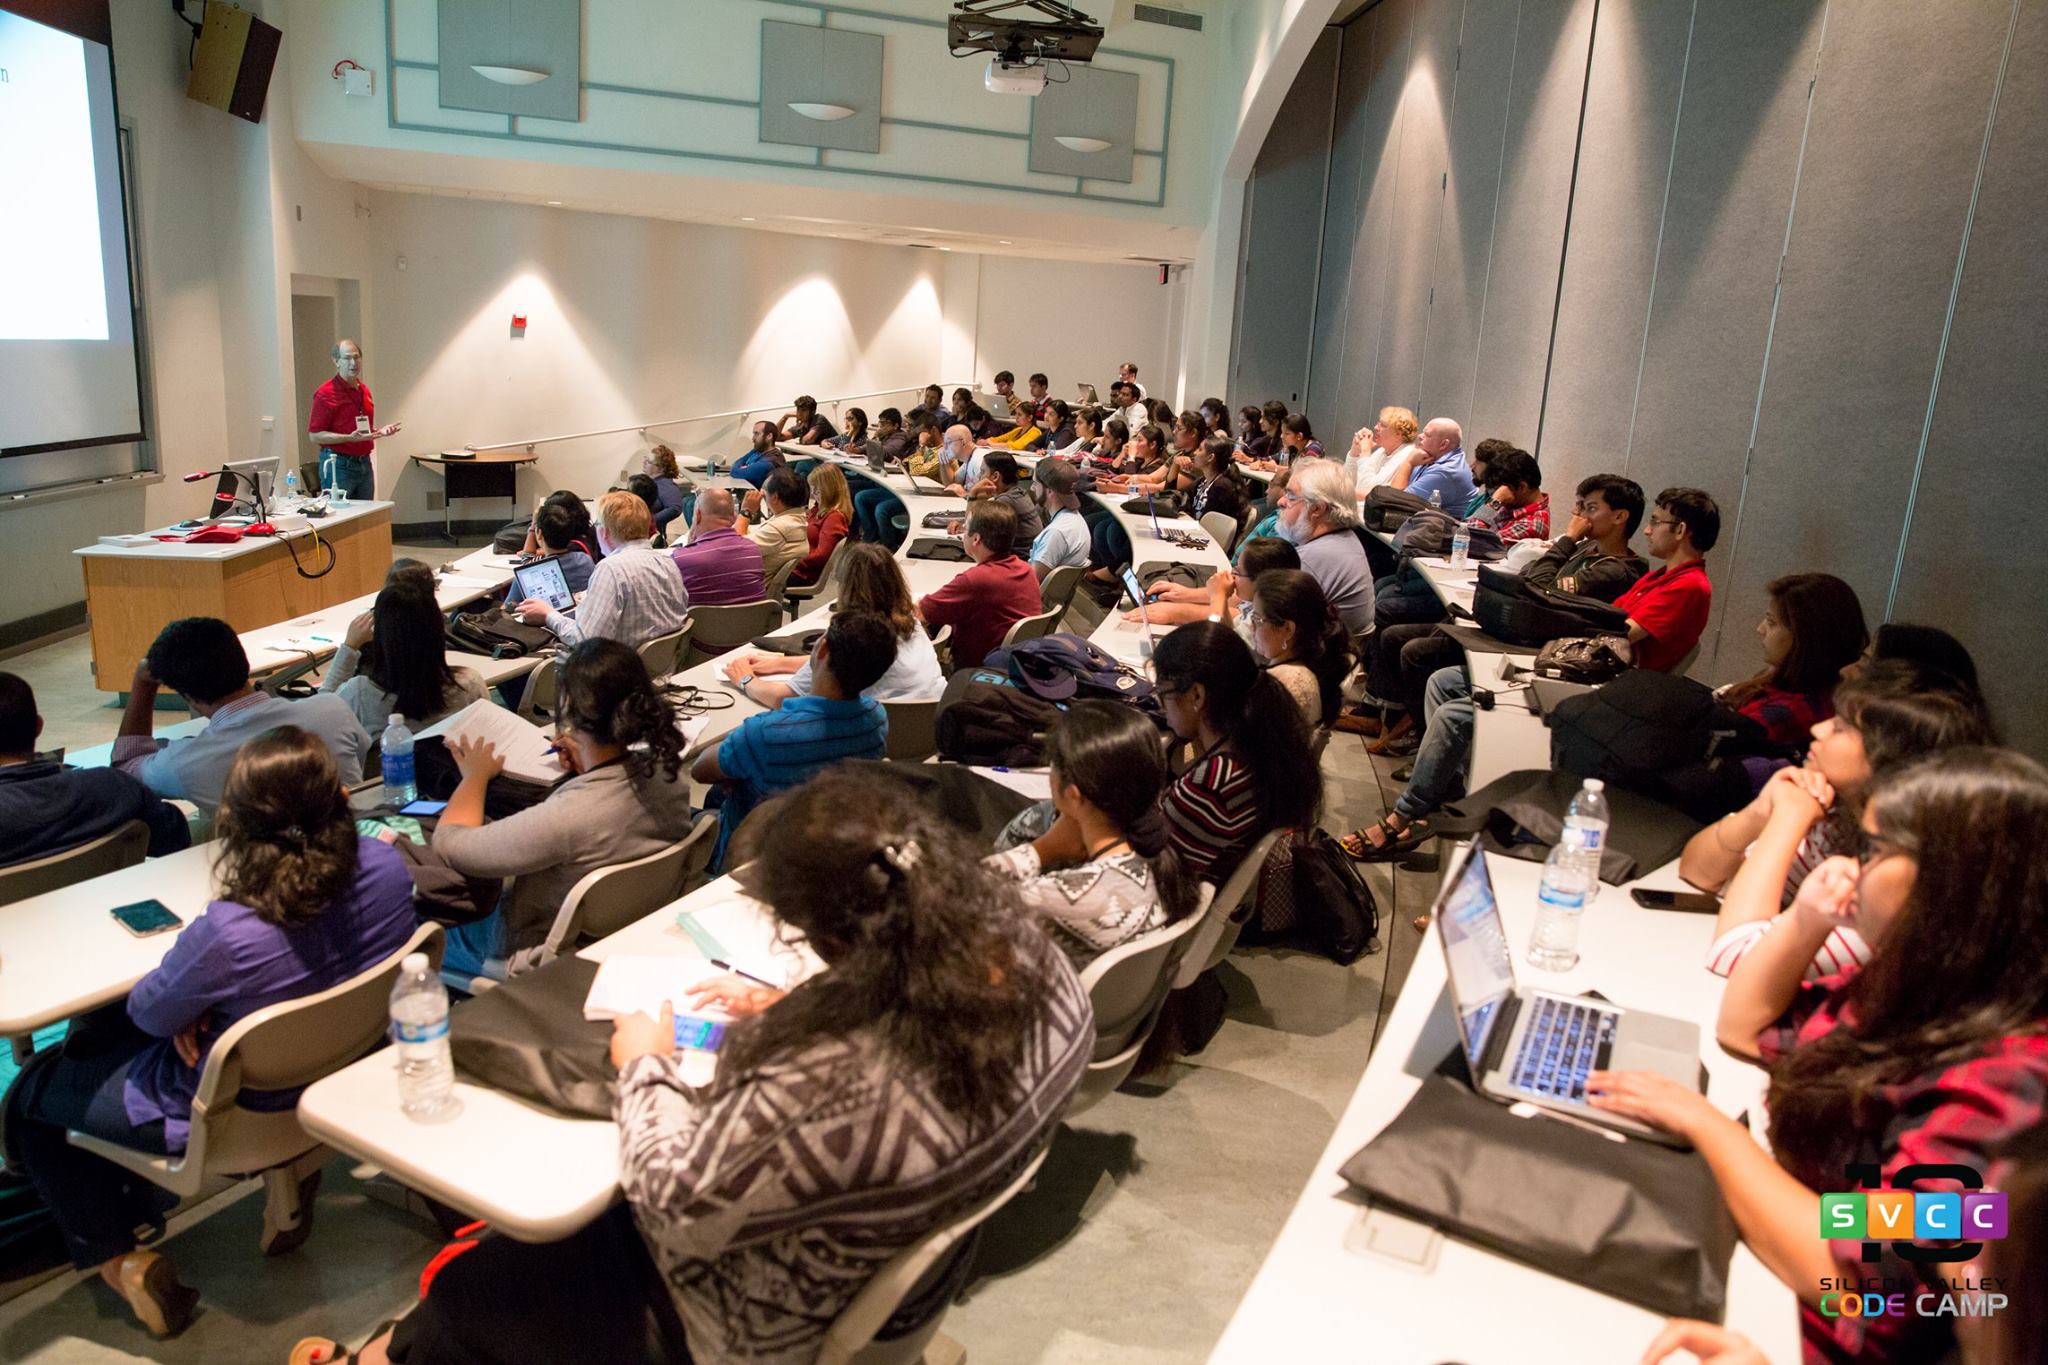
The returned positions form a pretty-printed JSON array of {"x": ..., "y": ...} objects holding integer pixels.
[
  {"x": 478, "y": 474},
  {"x": 134, "y": 591}
]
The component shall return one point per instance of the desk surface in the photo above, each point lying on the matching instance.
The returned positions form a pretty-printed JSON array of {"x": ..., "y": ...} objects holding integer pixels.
[
  {"x": 247, "y": 545},
  {"x": 1318, "y": 1298}
]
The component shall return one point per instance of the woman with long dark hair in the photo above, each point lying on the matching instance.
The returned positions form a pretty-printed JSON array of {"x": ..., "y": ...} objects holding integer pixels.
[
  {"x": 1934, "y": 1052},
  {"x": 1812, "y": 629},
  {"x": 302, "y": 904},
  {"x": 1929, "y": 648},
  {"x": 1253, "y": 769},
  {"x": 617, "y": 738},
  {"x": 874, "y": 1102},
  {"x": 1209, "y": 482},
  {"x": 1886, "y": 717},
  {"x": 856, "y": 434},
  {"x": 1104, "y": 872},
  {"x": 393, "y": 660},
  {"x": 1304, "y": 645}
]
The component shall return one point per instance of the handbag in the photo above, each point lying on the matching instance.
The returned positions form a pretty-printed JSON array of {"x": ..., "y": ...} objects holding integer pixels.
[
  {"x": 529, "y": 1039},
  {"x": 1582, "y": 659},
  {"x": 1636, "y": 1220},
  {"x": 1386, "y": 507},
  {"x": 945, "y": 551},
  {"x": 497, "y": 633},
  {"x": 1509, "y": 607},
  {"x": 1334, "y": 907}
]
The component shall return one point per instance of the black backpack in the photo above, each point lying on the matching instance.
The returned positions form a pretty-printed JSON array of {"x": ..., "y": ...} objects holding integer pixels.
[
  {"x": 1334, "y": 908},
  {"x": 986, "y": 719},
  {"x": 1510, "y": 608},
  {"x": 1386, "y": 507}
]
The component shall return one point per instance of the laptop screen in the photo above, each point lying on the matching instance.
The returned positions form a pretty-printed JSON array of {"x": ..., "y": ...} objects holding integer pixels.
[
  {"x": 544, "y": 580},
  {"x": 1476, "y": 953},
  {"x": 1134, "y": 587}
]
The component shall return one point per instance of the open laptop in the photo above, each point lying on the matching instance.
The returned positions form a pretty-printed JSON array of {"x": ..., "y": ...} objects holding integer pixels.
[
  {"x": 872, "y": 449},
  {"x": 938, "y": 490},
  {"x": 1536, "y": 1047},
  {"x": 1136, "y": 591},
  {"x": 543, "y": 580}
]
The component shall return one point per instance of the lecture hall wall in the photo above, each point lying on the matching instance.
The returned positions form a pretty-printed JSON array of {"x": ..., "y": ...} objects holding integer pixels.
[{"x": 1789, "y": 251}]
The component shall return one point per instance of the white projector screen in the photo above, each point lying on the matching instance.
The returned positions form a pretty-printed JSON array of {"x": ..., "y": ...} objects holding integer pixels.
[{"x": 68, "y": 374}]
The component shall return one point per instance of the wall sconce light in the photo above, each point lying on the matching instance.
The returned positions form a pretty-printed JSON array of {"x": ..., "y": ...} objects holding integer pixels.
[
  {"x": 510, "y": 75},
  {"x": 1083, "y": 144},
  {"x": 821, "y": 113}
]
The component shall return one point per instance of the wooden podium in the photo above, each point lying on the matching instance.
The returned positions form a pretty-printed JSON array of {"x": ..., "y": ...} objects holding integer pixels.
[{"x": 132, "y": 592}]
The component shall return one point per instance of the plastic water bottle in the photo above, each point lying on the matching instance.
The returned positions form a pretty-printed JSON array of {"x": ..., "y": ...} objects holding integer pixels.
[
  {"x": 419, "y": 1033},
  {"x": 1436, "y": 499},
  {"x": 1560, "y": 905},
  {"x": 291, "y": 490},
  {"x": 399, "y": 787},
  {"x": 1588, "y": 815},
  {"x": 1461, "y": 545}
]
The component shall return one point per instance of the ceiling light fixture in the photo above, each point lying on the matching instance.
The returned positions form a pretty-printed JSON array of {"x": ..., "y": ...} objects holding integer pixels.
[
  {"x": 554, "y": 203},
  {"x": 823, "y": 113},
  {"x": 510, "y": 75},
  {"x": 746, "y": 220},
  {"x": 1083, "y": 144}
]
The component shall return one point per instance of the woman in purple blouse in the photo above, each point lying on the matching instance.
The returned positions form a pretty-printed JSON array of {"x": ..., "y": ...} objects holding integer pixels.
[{"x": 303, "y": 904}]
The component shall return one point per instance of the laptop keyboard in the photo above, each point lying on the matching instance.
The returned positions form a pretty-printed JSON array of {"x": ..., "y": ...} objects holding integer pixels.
[{"x": 1562, "y": 1043}]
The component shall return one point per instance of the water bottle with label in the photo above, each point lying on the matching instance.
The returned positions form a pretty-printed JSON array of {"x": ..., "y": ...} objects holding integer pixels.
[
  {"x": 1461, "y": 545},
  {"x": 419, "y": 1034},
  {"x": 1588, "y": 815},
  {"x": 400, "y": 790},
  {"x": 1560, "y": 905},
  {"x": 291, "y": 489}
]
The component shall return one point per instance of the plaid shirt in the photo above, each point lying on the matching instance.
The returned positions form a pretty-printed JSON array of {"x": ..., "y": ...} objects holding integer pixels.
[
  {"x": 1531, "y": 521},
  {"x": 1788, "y": 717},
  {"x": 1960, "y": 1113},
  {"x": 636, "y": 595}
]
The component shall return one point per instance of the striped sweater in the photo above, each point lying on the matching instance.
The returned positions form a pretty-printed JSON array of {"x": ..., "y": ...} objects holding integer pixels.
[{"x": 1212, "y": 814}]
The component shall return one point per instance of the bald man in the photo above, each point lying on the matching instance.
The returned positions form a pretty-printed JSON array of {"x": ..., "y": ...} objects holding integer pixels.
[
  {"x": 342, "y": 424},
  {"x": 720, "y": 566},
  {"x": 1439, "y": 466}
]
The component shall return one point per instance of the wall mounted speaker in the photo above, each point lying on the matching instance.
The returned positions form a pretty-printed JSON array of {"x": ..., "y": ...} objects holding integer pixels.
[{"x": 231, "y": 69}]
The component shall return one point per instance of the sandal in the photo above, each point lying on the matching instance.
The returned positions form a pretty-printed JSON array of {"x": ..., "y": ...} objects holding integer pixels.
[
  {"x": 150, "y": 1285},
  {"x": 1395, "y": 841},
  {"x": 327, "y": 1351}
]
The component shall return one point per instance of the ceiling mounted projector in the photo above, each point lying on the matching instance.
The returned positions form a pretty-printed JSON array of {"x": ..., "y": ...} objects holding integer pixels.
[{"x": 1022, "y": 46}]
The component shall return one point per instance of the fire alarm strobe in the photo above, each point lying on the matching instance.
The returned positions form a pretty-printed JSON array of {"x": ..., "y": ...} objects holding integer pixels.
[{"x": 519, "y": 322}]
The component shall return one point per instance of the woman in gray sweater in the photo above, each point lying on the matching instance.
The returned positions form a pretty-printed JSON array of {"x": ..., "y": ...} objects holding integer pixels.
[{"x": 617, "y": 735}]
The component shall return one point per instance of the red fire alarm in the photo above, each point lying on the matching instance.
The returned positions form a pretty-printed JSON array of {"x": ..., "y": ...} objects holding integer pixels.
[{"x": 519, "y": 322}]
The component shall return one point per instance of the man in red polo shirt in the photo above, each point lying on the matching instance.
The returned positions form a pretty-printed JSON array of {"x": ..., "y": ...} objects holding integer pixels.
[
  {"x": 343, "y": 424},
  {"x": 1667, "y": 607},
  {"x": 982, "y": 603}
]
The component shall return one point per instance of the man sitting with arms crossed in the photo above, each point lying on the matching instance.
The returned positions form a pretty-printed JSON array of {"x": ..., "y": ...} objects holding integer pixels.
[
  {"x": 720, "y": 566},
  {"x": 202, "y": 660},
  {"x": 635, "y": 595},
  {"x": 1064, "y": 540},
  {"x": 775, "y": 520},
  {"x": 1668, "y": 607},
  {"x": 982, "y": 603},
  {"x": 799, "y": 739},
  {"x": 46, "y": 807},
  {"x": 1437, "y": 465},
  {"x": 1002, "y": 481},
  {"x": 1319, "y": 517}
]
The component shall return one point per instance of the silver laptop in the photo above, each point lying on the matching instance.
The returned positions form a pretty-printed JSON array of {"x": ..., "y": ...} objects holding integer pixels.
[{"x": 1536, "y": 1047}]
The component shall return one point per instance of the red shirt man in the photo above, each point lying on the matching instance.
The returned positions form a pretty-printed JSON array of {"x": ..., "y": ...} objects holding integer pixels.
[
  {"x": 336, "y": 405},
  {"x": 342, "y": 407},
  {"x": 984, "y": 602},
  {"x": 1668, "y": 607}
]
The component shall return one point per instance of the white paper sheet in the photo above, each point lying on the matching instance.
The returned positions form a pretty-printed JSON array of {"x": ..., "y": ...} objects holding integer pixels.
[
  {"x": 524, "y": 744},
  {"x": 626, "y": 984}
]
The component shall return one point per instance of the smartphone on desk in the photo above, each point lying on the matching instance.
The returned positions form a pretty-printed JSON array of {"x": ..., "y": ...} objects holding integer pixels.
[
  {"x": 145, "y": 918},
  {"x": 423, "y": 807},
  {"x": 1685, "y": 902}
]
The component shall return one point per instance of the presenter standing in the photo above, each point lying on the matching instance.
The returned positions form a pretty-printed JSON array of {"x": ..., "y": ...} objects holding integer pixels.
[{"x": 341, "y": 424}]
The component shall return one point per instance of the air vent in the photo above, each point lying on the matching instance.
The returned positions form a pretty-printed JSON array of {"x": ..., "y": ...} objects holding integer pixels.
[{"x": 1172, "y": 18}]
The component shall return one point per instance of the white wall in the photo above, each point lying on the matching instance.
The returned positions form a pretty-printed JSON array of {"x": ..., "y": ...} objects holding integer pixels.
[{"x": 1075, "y": 321}]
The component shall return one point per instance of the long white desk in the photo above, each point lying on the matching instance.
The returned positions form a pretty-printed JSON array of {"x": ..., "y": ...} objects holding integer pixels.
[
  {"x": 1318, "y": 1297},
  {"x": 1126, "y": 640}
]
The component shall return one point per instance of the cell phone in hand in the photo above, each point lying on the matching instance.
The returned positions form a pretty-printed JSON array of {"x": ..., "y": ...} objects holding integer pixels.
[
  {"x": 1685, "y": 902},
  {"x": 698, "y": 1034},
  {"x": 144, "y": 918},
  {"x": 423, "y": 807}
]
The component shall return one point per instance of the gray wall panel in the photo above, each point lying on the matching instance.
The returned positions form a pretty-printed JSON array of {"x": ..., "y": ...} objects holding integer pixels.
[
  {"x": 1731, "y": 188},
  {"x": 1959, "y": 573},
  {"x": 1324, "y": 401},
  {"x": 1865, "y": 288},
  {"x": 1528, "y": 235},
  {"x": 1465, "y": 236},
  {"x": 1279, "y": 261},
  {"x": 1632, "y": 106},
  {"x": 1379, "y": 176},
  {"x": 1418, "y": 204}
]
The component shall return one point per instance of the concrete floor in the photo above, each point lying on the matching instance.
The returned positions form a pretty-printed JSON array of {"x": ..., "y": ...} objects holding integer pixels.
[{"x": 1147, "y": 1224}]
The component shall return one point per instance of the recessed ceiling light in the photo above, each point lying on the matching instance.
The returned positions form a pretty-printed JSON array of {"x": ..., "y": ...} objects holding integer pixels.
[
  {"x": 1003, "y": 241},
  {"x": 945, "y": 248},
  {"x": 554, "y": 203},
  {"x": 746, "y": 220}
]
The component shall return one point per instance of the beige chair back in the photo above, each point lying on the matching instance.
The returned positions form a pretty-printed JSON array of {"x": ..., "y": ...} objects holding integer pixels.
[
  {"x": 112, "y": 851},
  {"x": 1056, "y": 592},
  {"x": 796, "y": 596},
  {"x": 714, "y": 630},
  {"x": 1222, "y": 529},
  {"x": 851, "y": 1338},
  {"x": 543, "y": 685},
  {"x": 1128, "y": 986},
  {"x": 913, "y": 730},
  {"x": 778, "y": 582},
  {"x": 609, "y": 899},
  {"x": 1229, "y": 910},
  {"x": 663, "y": 654},
  {"x": 1033, "y": 627}
]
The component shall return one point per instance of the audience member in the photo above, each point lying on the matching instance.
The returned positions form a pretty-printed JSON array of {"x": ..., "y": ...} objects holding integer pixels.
[
  {"x": 46, "y": 807},
  {"x": 303, "y": 904},
  {"x": 774, "y": 751},
  {"x": 1060, "y": 437},
  {"x": 783, "y": 529},
  {"x": 1932, "y": 649},
  {"x": 1227, "y": 596},
  {"x": 394, "y": 658},
  {"x": 1216, "y": 419},
  {"x": 1128, "y": 374},
  {"x": 1002, "y": 481},
  {"x": 1301, "y": 641},
  {"x": 1517, "y": 508},
  {"x": 720, "y": 567},
  {"x": 762, "y": 459},
  {"x": 201, "y": 659},
  {"x": 575, "y": 532},
  {"x": 1437, "y": 466},
  {"x": 826, "y": 523},
  {"x": 963, "y": 460},
  {"x": 1439, "y": 774},
  {"x": 1265, "y": 514},
  {"x": 1668, "y": 607},
  {"x": 805, "y": 426},
  {"x": 1209, "y": 482},
  {"x": 855, "y": 437},
  {"x": 1378, "y": 450},
  {"x": 1883, "y": 719},
  {"x": 1592, "y": 557},
  {"x": 1129, "y": 406},
  {"x": 660, "y": 465},
  {"x": 1936, "y": 1052},
  {"x": 1252, "y": 768},
  {"x": 1104, "y": 872},
  {"x": 1812, "y": 630},
  {"x": 635, "y": 595},
  {"x": 871, "y": 581},
  {"x": 1319, "y": 515},
  {"x": 1298, "y": 440},
  {"x": 1253, "y": 443},
  {"x": 643, "y": 488},
  {"x": 617, "y": 739},
  {"x": 935, "y": 408},
  {"x": 983, "y": 602},
  {"x": 1065, "y": 539}
]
